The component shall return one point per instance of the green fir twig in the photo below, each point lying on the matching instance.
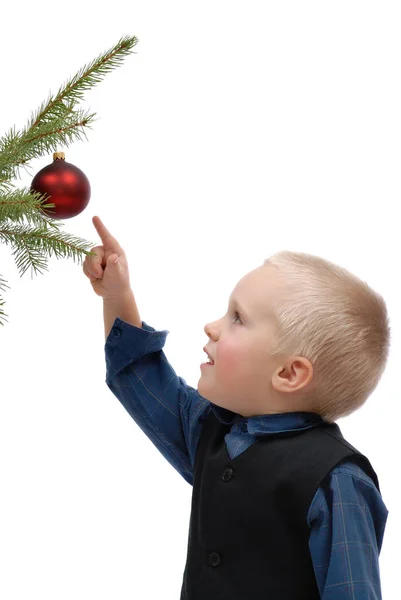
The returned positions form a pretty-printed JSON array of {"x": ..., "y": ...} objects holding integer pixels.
[{"x": 56, "y": 123}]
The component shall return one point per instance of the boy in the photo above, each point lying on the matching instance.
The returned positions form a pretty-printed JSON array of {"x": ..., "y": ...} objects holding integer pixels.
[{"x": 283, "y": 507}]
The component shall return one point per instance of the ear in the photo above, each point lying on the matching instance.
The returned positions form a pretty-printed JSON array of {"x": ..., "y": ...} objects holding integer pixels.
[{"x": 293, "y": 376}]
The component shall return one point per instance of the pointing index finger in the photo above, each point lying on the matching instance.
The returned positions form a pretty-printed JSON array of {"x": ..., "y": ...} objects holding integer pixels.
[{"x": 103, "y": 232}]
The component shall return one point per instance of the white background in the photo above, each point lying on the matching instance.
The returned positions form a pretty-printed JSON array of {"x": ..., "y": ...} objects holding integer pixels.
[{"x": 238, "y": 129}]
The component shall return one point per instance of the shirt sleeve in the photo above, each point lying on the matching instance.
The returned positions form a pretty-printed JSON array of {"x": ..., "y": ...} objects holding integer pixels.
[
  {"x": 347, "y": 518},
  {"x": 168, "y": 411}
]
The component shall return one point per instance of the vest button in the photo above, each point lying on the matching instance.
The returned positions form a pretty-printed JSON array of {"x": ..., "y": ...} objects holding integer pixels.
[
  {"x": 214, "y": 559},
  {"x": 228, "y": 474}
]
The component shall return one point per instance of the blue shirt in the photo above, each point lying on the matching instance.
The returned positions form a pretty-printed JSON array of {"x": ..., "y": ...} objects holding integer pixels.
[{"x": 347, "y": 516}]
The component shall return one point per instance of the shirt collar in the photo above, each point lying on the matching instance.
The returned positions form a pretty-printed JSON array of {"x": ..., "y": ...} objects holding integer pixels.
[{"x": 265, "y": 424}]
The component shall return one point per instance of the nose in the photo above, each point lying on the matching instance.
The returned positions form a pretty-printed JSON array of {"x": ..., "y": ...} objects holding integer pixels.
[{"x": 210, "y": 329}]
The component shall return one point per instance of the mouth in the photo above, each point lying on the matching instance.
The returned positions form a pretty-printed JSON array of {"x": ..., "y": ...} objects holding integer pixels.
[{"x": 210, "y": 359}]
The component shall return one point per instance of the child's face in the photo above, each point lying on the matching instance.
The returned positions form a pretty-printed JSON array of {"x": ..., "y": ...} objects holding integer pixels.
[{"x": 244, "y": 378}]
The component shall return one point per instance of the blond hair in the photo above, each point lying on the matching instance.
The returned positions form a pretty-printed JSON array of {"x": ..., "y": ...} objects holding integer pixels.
[{"x": 331, "y": 317}]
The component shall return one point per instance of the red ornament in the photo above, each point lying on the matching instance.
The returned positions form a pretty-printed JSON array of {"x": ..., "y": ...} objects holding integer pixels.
[{"x": 67, "y": 185}]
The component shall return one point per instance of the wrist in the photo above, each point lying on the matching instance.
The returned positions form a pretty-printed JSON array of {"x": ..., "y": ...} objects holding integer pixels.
[{"x": 119, "y": 298}]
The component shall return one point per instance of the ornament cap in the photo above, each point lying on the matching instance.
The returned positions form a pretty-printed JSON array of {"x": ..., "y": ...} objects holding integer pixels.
[{"x": 58, "y": 156}]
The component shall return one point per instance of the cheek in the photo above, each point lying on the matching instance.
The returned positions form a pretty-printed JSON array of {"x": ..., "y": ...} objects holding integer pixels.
[{"x": 231, "y": 356}]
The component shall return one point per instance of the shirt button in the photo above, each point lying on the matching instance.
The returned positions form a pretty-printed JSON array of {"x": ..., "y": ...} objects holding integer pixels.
[
  {"x": 116, "y": 332},
  {"x": 244, "y": 427},
  {"x": 228, "y": 474},
  {"x": 214, "y": 559}
]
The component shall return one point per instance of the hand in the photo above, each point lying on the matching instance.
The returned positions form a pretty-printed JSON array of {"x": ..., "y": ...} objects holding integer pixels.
[{"x": 109, "y": 279}]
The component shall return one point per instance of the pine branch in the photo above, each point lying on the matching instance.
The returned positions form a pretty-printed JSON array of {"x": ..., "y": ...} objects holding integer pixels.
[
  {"x": 2, "y": 287},
  {"x": 87, "y": 77},
  {"x": 18, "y": 149},
  {"x": 55, "y": 123},
  {"x": 23, "y": 203},
  {"x": 30, "y": 243}
]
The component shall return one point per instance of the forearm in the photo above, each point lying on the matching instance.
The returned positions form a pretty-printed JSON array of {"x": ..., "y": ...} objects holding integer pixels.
[{"x": 124, "y": 307}]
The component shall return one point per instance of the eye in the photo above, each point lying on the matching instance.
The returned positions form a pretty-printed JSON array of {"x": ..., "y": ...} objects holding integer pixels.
[{"x": 237, "y": 316}]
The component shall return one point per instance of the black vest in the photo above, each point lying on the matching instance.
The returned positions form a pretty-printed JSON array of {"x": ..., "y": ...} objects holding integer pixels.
[{"x": 248, "y": 535}]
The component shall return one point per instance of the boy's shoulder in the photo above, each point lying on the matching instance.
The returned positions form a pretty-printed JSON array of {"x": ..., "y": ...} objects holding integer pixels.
[
  {"x": 353, "y": 470},
  {"x": 345, "y": 482}
]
